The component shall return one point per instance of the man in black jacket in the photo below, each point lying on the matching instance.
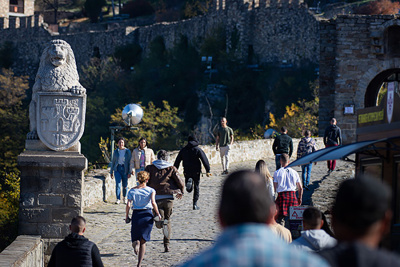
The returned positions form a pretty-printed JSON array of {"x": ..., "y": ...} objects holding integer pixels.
[
  {"x": 191, "y": 155},
  {"x": 75, "y": 249},
  {"x": 332, "y": 137},
  {"x": 282, "y": 144}
]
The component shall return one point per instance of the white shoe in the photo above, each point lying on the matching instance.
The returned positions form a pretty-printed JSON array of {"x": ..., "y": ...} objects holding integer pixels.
[{"x": 117, "y": 202}]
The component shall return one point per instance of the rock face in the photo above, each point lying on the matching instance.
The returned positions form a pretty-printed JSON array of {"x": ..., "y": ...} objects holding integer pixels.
[{"x": 58, "y": 106}]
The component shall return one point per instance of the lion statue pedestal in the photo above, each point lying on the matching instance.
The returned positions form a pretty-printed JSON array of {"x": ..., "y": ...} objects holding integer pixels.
[{"x": 52, "y": 167}]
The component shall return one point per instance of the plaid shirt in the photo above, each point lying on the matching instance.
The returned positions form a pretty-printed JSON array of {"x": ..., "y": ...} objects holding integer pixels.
[
  {"x": 306, "y": 146},
  {"x": 252, "y": 245},
  {"x": 285, "y": 200}
]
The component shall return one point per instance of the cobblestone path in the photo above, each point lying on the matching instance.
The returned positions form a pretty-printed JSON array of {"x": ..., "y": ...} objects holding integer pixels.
[{"x": 192, "y": 230}]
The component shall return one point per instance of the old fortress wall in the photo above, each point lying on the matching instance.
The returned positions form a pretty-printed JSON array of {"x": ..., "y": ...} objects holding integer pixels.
[{"x": 274, "y": 31}]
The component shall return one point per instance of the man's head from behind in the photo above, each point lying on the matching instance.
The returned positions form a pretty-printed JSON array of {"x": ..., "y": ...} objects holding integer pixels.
[
  {"x": 361, "y": 210},
  {"x": 78, "y": 225},
  {"x": 284, "y": 159},
  {"x": 312, "y": 219},
  {"x": 163, "y": 155},
  {"x": 283, "y": 129},
  {"x": 244, "y": 199}
]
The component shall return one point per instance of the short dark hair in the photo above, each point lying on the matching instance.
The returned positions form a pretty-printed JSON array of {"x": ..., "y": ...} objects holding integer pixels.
[
  {"x": 123, "y": 139},
  {"x": 283, "y": 129},
  {"x": 77, "y": 224},
  {"x": 244, "y": 199},
  {"x": 361, "y": 202},
  {"x": 162, "y": 154},
  {"x": 284, "y": 158},
  {"x": 307, "y": 133},
  {"x": 312, "y": 217}
]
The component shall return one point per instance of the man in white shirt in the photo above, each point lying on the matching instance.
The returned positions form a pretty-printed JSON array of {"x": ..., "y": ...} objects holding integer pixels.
[{"x": 286, "y": 181}]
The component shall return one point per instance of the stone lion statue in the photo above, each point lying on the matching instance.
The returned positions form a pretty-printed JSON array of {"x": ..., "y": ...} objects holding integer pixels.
[{"x": 57, "y": 73}]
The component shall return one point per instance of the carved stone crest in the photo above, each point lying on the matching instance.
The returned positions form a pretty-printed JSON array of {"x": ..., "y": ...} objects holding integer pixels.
[
  {"x": 58, "y": 107},
  {"x": 61, "y": 119}
]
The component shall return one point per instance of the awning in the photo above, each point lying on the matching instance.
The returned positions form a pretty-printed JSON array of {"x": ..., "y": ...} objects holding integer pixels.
[{"x": 337, "y": 152}]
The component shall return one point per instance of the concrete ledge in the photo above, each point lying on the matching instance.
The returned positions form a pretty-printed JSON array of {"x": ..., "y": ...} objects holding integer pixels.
[{"x": 25, "y": 251}]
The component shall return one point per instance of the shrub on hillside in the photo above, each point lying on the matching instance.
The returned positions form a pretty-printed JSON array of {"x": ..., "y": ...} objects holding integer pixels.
[
  {"x": 138, "y": 8},
  {"x": 381, "y": 7}
]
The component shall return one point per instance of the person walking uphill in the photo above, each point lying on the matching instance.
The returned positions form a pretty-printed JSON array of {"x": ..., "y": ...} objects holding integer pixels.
[
  {"x": 332, "y": 137},
  {"x": 285, "y": 182},
  {"x": 141, "y": 157},
  {"x": 224, "y": 139},
  {"x": 191, "y": 155},
  {"x": 120, "y": 169},
  {"x": 164, "y": 178},
  {"x": 306, "y": 146},
  {"x": 282, "y": 144}
]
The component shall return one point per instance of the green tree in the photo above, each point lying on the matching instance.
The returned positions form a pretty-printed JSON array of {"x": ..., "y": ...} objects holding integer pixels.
[
  {"x": 13, "y": 119},
  {"x": 105, "y": 84},
  {"x": 14, "y": 122},
  {"x": 93, "y": 9},
  {"x": 160, "y": 126},
  {"x": 6, "y": 55},
  {"x": 9, "y": 207},
  {"x": 129, "y": 55},
  {"x": 300, "y": 117}
]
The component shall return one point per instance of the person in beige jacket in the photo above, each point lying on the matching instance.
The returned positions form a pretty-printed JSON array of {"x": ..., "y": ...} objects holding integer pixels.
[{"x": 141, "y": 157}]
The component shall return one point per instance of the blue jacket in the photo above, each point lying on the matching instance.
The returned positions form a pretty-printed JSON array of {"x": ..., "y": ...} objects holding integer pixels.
[{"x": 127, "y": 161}]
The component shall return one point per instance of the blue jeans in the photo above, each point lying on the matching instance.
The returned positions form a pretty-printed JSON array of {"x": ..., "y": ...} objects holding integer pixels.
[
  {"x": 120, "y": 176},
  {"x": 306, "y": 173},
  {"x": 278, "y": 161}
]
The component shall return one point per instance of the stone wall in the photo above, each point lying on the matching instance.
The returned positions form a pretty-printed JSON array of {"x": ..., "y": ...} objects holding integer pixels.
[
  {"x": 274, "y": 31},
  {"x": 4, "y": 4},
  {"x": 354, "y": 50},
  {"x": 25, "y": 251},
  {"x": 100, "y": 187}
]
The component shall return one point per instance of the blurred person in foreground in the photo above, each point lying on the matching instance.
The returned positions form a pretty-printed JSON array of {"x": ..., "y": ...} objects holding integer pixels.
[
  {"x": 76, "y": 250},
  {"x": 313, "y": 238},
  {"x": 361, "y": 217},
  {"x": 244, "y": 211}
]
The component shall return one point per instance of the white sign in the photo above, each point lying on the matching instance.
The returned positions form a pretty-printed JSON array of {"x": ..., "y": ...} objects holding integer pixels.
[
  {"x": 390, "y": 98},
  {"x": 296, "y": 213}
]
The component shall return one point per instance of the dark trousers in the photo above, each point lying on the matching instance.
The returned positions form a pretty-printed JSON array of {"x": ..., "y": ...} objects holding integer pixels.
[
  {"x": 165, "y": 208},
  {"x": 196, "y": 185}
]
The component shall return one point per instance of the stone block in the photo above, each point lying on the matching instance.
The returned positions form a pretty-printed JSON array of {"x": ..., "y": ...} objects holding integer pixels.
[
  {"x": 51, "y": 199},
  {"x": 35, "y": 215},
  {"x": 63, "y": 185},
  {"x": 64, "y": 214},
  {"x": 26, "y": 228},
  {"x": 55, "y": 230},
  {"x": 27, "y": 199},
  {"x": 31, "y": 184},
  {"x": 74, "y": 200}
]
